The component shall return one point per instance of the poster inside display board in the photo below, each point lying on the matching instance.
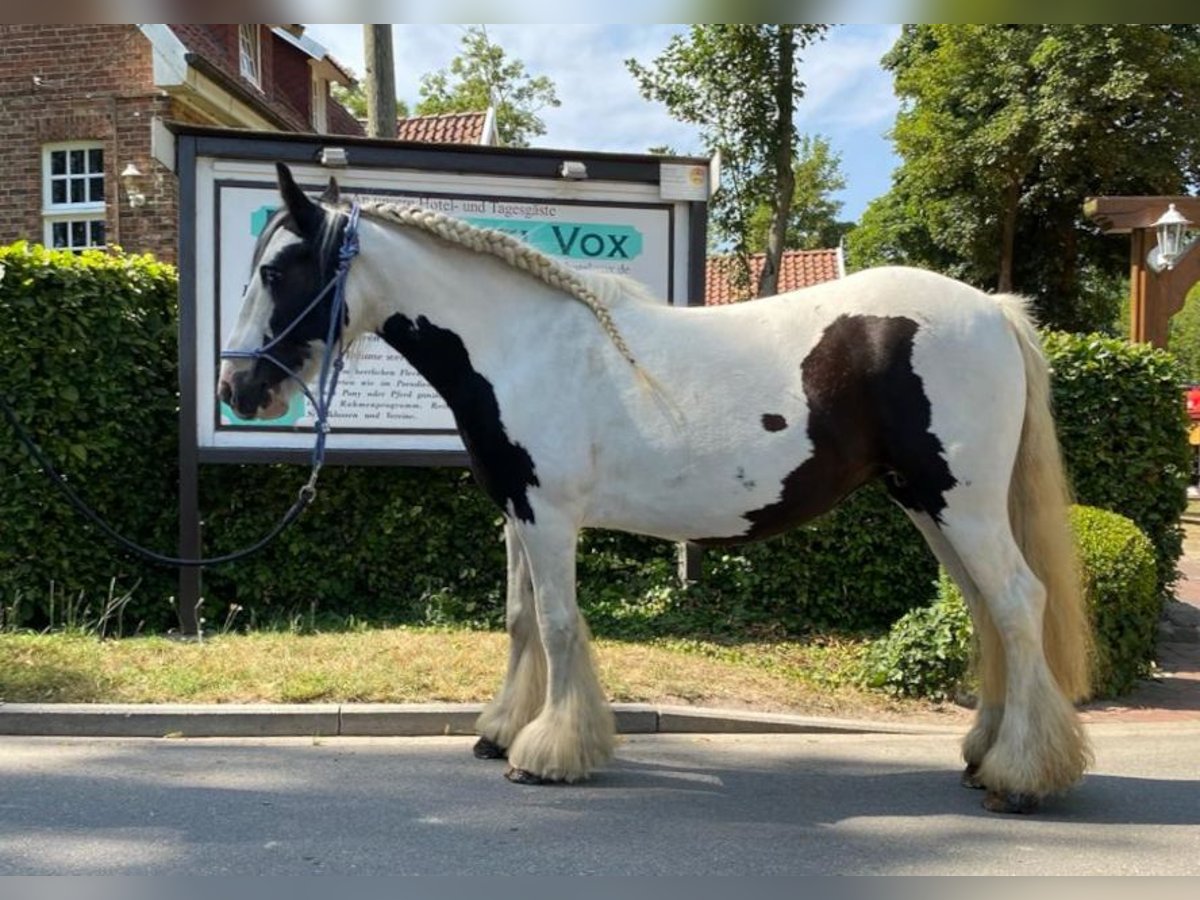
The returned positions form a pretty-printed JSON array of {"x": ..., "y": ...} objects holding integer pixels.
[{"x": 646, "y": 227}]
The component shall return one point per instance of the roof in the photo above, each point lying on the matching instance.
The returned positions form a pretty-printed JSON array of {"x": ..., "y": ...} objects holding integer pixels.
[
  {"x": 294, "y": 35},
  {"x": 797, "y": 269},
  {"x": 449, "y": 128}
]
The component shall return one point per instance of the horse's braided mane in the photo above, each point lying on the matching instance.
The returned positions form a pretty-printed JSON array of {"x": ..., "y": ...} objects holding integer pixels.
[{"x": 516, "y": 253}]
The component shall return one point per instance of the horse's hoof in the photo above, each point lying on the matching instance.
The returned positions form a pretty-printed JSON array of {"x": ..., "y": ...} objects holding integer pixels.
[
  {"x": 523, "y": 776},
  {"x": 1011, "y": 802},
  {"x": 970, "y": 778},
  {"x": 485, "y": 749}
]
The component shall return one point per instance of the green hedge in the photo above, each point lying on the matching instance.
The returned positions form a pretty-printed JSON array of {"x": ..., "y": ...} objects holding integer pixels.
[
  {"x": 90, "y": 361},
  {"x": 859, "y": 567},
  {"x": 927, "y": 652},
  {"x": 381, "y": 545},
  {"x": 87, "y": 345},
  {"x": 1122, "y": 424}
]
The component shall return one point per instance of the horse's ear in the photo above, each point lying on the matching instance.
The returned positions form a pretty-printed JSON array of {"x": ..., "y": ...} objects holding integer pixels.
[
  {"x": 332, "y": 193},
  {"x": 306, "y": 214}
]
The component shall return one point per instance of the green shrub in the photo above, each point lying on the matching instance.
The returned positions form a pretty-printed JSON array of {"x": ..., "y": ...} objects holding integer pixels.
[
  {"x": 926, "y": 653},
  {"x": 1122, "y": 426},
  {"x": 1118, "y": 566}
]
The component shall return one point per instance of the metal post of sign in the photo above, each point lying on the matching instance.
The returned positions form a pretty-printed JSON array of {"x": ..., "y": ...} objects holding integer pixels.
[
  {"x": 188, "y": 599},
  {"x": 690, "y": 557}
]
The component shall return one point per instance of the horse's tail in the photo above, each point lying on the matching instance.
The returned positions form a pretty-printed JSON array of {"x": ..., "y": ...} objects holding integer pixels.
[{"x": 1038, "y": 501}]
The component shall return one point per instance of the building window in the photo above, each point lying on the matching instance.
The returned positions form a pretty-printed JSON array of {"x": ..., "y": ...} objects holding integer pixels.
[
  {"x": 249, "y": 53},
  {"x": 319, "y": 107},
  {"x": 73, "y": 207}
]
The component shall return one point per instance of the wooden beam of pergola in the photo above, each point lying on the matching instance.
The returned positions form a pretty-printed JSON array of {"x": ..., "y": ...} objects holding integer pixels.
[
  {"x": 1153, "y": 296},
  {"x": 1122, "y": 215}
]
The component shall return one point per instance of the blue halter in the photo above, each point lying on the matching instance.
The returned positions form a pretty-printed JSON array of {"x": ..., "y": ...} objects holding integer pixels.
[{"x": 331, "y": 362}]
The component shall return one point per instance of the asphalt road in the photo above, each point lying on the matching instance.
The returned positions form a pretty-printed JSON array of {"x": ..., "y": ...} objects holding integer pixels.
[{"x": 686, "y": 804}]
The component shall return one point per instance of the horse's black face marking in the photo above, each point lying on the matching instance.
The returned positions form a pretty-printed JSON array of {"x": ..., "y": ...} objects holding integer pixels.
[
  {"x": 294, "y": 259},
  {"x": 504, "y": 468},
  {"x": 774, "y": 422},
  {"x": 868, "y": 415}
]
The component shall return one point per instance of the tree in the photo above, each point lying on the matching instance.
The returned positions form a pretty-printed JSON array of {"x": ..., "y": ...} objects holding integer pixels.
[
  {"x": 1005, "y": 129},
  {"x": 812, "y": 219},
  {"x": 1184, "y": 340},
  {"x": 739, "y": 84},
  {"x": 355, "y": 100},
  {"x": 481, "y": 76}
]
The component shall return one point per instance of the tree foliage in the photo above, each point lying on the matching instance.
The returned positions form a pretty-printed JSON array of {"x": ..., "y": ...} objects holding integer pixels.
[
  {"x": 738, "y": 83},
  {"x": 483, "y": 75},
  {"x": 354, "y": 98},
  {"x": 812, "y": 219},
  {"x": 1184, "y": 338},
  {"x": 1005, "y": 129}
]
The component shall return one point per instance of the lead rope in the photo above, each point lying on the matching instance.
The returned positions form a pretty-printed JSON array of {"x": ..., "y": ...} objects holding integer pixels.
[{"x": 331, "y": 367}]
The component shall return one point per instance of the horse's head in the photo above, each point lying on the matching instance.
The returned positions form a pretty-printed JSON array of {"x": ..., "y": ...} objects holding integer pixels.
[{"x": 295, "y": 259}]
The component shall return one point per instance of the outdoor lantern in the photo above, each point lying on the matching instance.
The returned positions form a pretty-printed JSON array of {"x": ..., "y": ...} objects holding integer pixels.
[
  {"x": 130, "y": 176},
  {"x": 1172, "y": 226}
]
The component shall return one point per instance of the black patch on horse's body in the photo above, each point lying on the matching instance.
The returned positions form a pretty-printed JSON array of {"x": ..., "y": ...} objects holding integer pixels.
[
  {"x": 503, "y": 468},
  {"x": 868, "y": 416},
  {"x": 774, "y": 422}
]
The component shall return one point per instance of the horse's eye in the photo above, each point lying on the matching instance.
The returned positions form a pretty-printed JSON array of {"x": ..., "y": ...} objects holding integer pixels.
[{"x": 269, "y": 275}]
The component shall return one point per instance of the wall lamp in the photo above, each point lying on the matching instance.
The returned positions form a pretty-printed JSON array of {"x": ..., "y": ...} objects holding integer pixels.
[
  {"x": 334, "y": 157},
  {"x": 1172, "y": 243},
  {"x": 131, "y": 177},
  {"x": 573, "y": 170}
]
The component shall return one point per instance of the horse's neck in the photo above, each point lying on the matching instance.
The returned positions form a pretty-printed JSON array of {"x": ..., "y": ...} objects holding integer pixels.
[
  {"x": 433, "y": 301},
  {"x": 407, "y": 272}
]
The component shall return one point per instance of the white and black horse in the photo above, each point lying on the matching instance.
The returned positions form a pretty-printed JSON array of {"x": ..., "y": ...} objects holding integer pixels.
[{"x": 583, "y": 402}]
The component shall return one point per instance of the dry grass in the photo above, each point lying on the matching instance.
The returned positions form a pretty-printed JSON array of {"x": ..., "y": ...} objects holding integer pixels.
[{"x": 414, "y": 665}]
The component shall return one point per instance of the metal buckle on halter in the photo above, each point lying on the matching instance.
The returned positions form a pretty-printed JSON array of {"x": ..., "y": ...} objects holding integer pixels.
[{"x": 308, "y": 491}]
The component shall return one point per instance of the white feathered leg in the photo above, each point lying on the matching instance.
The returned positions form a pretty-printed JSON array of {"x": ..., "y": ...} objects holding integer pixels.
[
  {"x": 521, "y": 697},
  {"x": 574, "y": 732}
]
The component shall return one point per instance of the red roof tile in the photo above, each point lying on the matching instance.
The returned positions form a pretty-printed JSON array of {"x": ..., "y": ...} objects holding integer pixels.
[
  {"x": 797, "y": 269},
  {"x": 447, "y": 128}
]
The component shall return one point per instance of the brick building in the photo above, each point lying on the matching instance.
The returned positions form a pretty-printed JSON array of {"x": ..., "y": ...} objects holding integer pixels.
[{"x": 80, "y": 106}]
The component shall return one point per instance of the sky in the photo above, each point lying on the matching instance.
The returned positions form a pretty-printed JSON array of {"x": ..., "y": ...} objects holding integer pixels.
[{"x": 848, "y": 97}]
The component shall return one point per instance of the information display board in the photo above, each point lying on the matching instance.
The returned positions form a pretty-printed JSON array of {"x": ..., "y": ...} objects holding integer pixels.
[{"x": 642, "y": 221}]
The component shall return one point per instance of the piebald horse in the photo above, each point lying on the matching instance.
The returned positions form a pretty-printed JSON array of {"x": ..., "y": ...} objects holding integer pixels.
[{"x": 584, "y": 403}]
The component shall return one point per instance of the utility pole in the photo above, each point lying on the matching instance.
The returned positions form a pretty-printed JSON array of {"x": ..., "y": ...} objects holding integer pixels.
[{"x": 381, "y": 81}]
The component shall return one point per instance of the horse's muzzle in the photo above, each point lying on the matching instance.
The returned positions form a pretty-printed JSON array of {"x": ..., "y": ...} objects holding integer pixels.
[{"x": 249, "y": 397}]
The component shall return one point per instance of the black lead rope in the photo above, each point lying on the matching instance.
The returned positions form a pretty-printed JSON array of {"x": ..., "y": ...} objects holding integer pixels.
[
  {"x": 307, "y": 493},
  {"x": 331, "y": 367}
]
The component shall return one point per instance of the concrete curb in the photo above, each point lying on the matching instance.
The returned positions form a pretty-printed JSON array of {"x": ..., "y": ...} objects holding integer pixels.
[{"x": 389, "y": 720}]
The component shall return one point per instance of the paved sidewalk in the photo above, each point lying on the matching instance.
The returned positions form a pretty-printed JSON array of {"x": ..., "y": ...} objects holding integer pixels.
[{"x": 265, "y": 720}]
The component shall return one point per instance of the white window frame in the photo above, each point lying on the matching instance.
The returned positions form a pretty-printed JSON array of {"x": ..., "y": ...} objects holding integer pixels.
[
  {"x": 87, "y": 211},
  {"x": 250, "y": 54}
]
